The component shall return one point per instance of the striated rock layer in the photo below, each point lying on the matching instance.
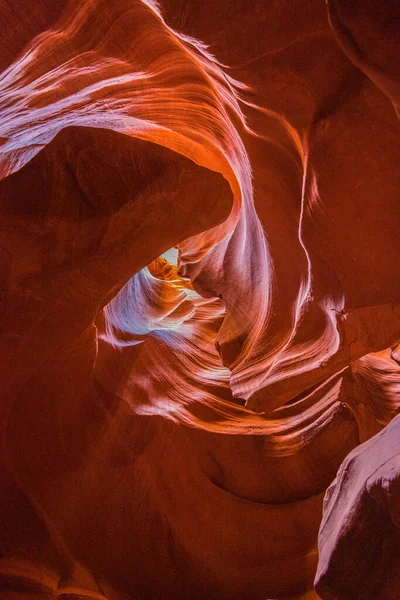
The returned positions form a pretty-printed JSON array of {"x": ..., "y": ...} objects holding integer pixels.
[{"x": 169, "y": 430}]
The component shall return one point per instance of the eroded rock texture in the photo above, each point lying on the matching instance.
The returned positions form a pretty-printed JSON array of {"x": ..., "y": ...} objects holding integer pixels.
[{"x": 169, "y": 431}]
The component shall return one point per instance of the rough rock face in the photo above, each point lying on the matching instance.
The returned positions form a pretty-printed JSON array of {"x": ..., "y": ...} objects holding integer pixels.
[
  {"x": 169, "y": 431},
  {"x": 362, "y": 511}
]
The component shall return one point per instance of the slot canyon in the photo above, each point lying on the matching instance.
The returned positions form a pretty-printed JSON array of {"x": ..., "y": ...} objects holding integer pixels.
[{"x": 199, "y": 300}]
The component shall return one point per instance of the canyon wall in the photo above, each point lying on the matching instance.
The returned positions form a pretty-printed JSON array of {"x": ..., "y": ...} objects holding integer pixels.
[{"x": 224, "y": 427}]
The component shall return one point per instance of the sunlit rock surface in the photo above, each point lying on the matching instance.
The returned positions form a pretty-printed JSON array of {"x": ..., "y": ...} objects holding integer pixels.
[
  {"x": 199, "y": 301},
  {"x": 360, "y": 530}
]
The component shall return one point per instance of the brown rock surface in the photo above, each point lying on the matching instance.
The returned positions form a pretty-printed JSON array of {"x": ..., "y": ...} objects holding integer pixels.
[
  {"x": 169, "y": 431},
  {"x": 359, "y": 539}
]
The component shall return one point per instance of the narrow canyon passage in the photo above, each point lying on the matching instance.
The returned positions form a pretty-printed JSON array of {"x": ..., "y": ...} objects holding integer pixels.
[{"x": 199, "y": 300}]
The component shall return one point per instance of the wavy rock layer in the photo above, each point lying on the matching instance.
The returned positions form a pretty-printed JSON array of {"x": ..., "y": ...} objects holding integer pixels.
[{"x": 170, "y": 430}]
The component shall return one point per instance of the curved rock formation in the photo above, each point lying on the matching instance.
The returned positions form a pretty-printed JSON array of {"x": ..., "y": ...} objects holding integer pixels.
[
  {"x": 169, "y": 431},
  {"x": 362, "y": 511}
]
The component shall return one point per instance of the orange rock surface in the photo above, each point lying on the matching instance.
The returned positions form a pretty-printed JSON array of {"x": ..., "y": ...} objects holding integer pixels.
[{"x": 169, "y": 431}]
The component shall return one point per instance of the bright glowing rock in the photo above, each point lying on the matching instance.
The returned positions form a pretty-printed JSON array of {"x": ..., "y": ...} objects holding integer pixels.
[{"x": 199, "y": 298}]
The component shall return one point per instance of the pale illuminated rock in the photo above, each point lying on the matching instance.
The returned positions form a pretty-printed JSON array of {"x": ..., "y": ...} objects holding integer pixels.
[{"x": 170, "y": 425}]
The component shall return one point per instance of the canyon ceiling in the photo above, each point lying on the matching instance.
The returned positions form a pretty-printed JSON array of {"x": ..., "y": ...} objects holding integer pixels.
[{"x": 199, "y": 300}]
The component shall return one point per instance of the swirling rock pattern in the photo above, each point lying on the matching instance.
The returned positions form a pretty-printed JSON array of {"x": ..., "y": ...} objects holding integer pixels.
[{"x": 170, "y": 430}]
